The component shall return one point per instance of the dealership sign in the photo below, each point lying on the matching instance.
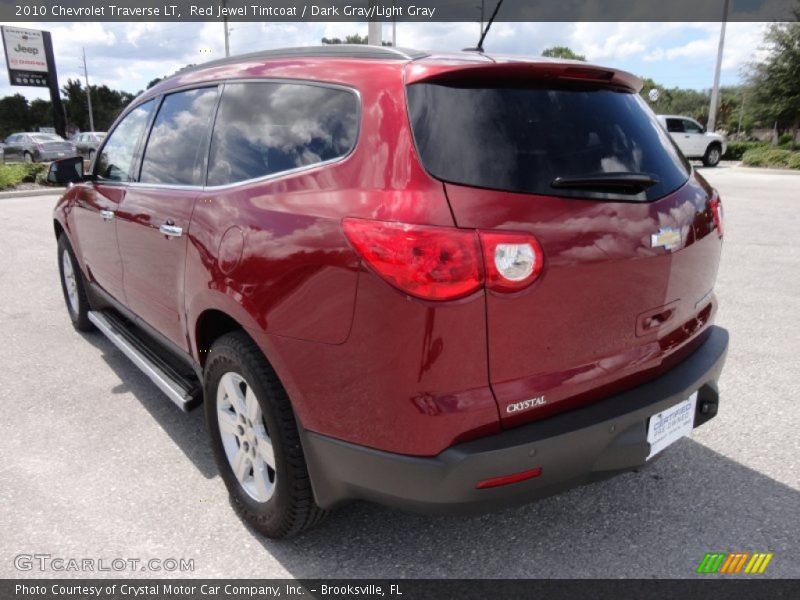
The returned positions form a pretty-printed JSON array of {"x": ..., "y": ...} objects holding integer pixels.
[{"x": 25, "y": 56}]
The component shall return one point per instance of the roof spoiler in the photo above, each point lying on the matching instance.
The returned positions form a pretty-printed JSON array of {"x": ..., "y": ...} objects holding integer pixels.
[{"x": 522, "y": 72}]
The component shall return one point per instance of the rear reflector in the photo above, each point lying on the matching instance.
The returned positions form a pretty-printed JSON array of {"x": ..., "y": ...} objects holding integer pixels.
[
  {"x": 507, "y": 479},
  {"x": 445, "y": 263}
]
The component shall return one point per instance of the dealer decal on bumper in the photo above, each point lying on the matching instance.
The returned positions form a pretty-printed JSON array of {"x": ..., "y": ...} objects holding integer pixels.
[{"x": 670, "y": 425}]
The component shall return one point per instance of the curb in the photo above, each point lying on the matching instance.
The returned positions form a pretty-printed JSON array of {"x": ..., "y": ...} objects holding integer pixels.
[
  {"x": 23, "y": 193},
  {"x": 767, "y": 170}
]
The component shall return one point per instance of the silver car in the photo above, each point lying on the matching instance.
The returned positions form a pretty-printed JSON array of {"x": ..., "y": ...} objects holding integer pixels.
[{"x": 34, "y": 147}]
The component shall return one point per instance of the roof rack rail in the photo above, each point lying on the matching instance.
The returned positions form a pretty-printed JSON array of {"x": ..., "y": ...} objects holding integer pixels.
[{"x": 328, "y": 50}]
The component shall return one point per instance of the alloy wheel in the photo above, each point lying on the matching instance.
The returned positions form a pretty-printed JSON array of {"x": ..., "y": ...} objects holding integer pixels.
[
  {"x": 70, "y": 283},
  {"x": 245, "y": 438}
]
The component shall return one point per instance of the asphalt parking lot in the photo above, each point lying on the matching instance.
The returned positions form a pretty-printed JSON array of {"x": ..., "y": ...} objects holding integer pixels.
[{"x": 96, "y": 463}]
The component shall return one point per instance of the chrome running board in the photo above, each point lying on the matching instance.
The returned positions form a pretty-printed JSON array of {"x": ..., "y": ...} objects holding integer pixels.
[{"x": 184, "y": 392}]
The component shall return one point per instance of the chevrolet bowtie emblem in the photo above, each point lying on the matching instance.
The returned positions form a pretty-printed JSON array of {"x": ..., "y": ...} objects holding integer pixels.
[{"x": 667, "y": 237}]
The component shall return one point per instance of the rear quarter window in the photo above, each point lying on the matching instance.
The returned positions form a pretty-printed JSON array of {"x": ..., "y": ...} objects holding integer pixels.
[
  {"x": 268, "y": 128},
  {"x": 520, "y": 139}
]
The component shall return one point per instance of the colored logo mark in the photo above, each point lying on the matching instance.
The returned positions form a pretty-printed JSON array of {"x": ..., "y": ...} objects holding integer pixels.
[{"x": 736, "y": 562}]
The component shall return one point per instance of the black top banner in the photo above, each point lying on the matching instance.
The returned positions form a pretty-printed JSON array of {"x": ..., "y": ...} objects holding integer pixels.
[{"x": 399, "y": 10}]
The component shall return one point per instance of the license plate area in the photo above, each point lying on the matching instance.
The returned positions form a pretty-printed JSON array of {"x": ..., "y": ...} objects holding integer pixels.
[{"x": 670, "y": 425}]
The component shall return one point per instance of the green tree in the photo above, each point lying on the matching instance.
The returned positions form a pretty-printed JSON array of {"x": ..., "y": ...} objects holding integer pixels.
[
  {"x": 40, "y": 114},
  {"x": 676, "y": 101},
  {"x": 775, "y": 81},
  {"x": 106, "y": 105},
  {"x": 14, "y": 115},
  {"x": 73, "y": 96},
  {"x": 562, "y": 52},
  {"x": 350, "y": 39}
]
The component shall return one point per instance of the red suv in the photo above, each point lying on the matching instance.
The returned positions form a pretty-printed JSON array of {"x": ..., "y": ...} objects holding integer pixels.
[{"x": 440, "y": 282}]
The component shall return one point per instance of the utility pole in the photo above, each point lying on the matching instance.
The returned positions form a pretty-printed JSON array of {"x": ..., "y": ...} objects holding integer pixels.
[
  {"x": 88, "y": 92},
  {"x": 375, "y": 29},
  {"x": 712, "y": 110},
  {"x": 374, "y": 33},
  {"x": 227, "y": 33},
  {"x": 394, "y": 27},
  {"x": 481, "y": 22},
  {"x": 741, "y": 116}
]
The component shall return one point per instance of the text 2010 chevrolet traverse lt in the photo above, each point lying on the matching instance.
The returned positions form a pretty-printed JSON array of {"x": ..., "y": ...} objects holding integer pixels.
[{"x": 439, "y": 282}]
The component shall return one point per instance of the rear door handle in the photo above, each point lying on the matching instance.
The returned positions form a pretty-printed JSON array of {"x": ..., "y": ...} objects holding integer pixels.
[
  {"x": 170, "y": 230},
  {"x": 107, "y": 214}
]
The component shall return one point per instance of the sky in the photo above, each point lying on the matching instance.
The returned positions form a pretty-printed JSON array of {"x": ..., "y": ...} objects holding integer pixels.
[{"x": 128, "y": 55}]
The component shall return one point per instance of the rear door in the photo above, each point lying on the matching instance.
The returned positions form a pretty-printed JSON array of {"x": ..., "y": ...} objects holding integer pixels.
[
  {"x": 679, "y": 135},
  {"x": 628, "y": 274},
  {"x": 99, "y": 201},
  {"x": 80, "y": 143},
  {"x": 153, "y": 220},
  {"x": 696, "y": 137}
]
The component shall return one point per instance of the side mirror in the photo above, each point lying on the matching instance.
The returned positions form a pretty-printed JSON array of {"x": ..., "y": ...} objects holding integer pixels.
[{"x": 66, "y": 170}]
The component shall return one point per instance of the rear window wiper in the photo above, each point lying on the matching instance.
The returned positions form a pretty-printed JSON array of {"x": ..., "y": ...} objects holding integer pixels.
[{"x": 620, "y": 183}]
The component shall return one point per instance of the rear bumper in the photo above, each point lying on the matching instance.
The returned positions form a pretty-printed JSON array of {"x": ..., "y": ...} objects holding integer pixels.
[
  {"x": 46, "y": 155},
  {"x": 577, "y": 447}
]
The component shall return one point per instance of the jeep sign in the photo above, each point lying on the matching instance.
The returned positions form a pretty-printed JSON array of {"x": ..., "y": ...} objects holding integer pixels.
[{"x": 25, "y": 56}]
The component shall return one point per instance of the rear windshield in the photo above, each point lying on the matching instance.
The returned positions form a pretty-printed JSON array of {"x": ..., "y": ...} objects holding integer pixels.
[{"x": 520, "y": 139}]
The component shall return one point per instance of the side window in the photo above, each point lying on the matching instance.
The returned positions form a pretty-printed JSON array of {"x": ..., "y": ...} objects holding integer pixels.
[
  {"x": 267, "y": 128},
  {"x": 114, "y": 162},
  {"x": 675, "y": 125},
  {"x": 691, "y": 126},
  {"x": 176, "y": 147}
]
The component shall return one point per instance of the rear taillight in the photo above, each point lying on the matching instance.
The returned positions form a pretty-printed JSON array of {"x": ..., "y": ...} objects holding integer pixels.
[
  {"x": 445, "y": 263},
  {"x": 716, "y": 212},
  {"x": 434, "y": 263},
  {"x": 512, "y": 260}
]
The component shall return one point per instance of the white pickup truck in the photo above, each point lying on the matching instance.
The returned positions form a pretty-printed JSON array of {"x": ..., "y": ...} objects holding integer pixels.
[{"x": 693, "y": 139}]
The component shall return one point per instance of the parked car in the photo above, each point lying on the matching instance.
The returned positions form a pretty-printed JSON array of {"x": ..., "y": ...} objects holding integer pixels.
[
  {"x": 87, "y": 143},
  {"x": 440, "y": 282},
  {"x": 36, "y": 147},
  {"x": 693, "y": 139}
]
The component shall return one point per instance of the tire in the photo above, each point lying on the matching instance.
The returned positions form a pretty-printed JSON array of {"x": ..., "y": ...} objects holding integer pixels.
[
  {"x": 249, "y": 414},
  {"x": 27, "y": 157},
  {"x": 713, "y": 155},
  {"x": 73, "y": 286}
]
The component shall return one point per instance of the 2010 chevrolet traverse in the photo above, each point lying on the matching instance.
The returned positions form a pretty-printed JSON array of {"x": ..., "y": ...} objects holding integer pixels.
[{"x": 440, "y": 282}]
